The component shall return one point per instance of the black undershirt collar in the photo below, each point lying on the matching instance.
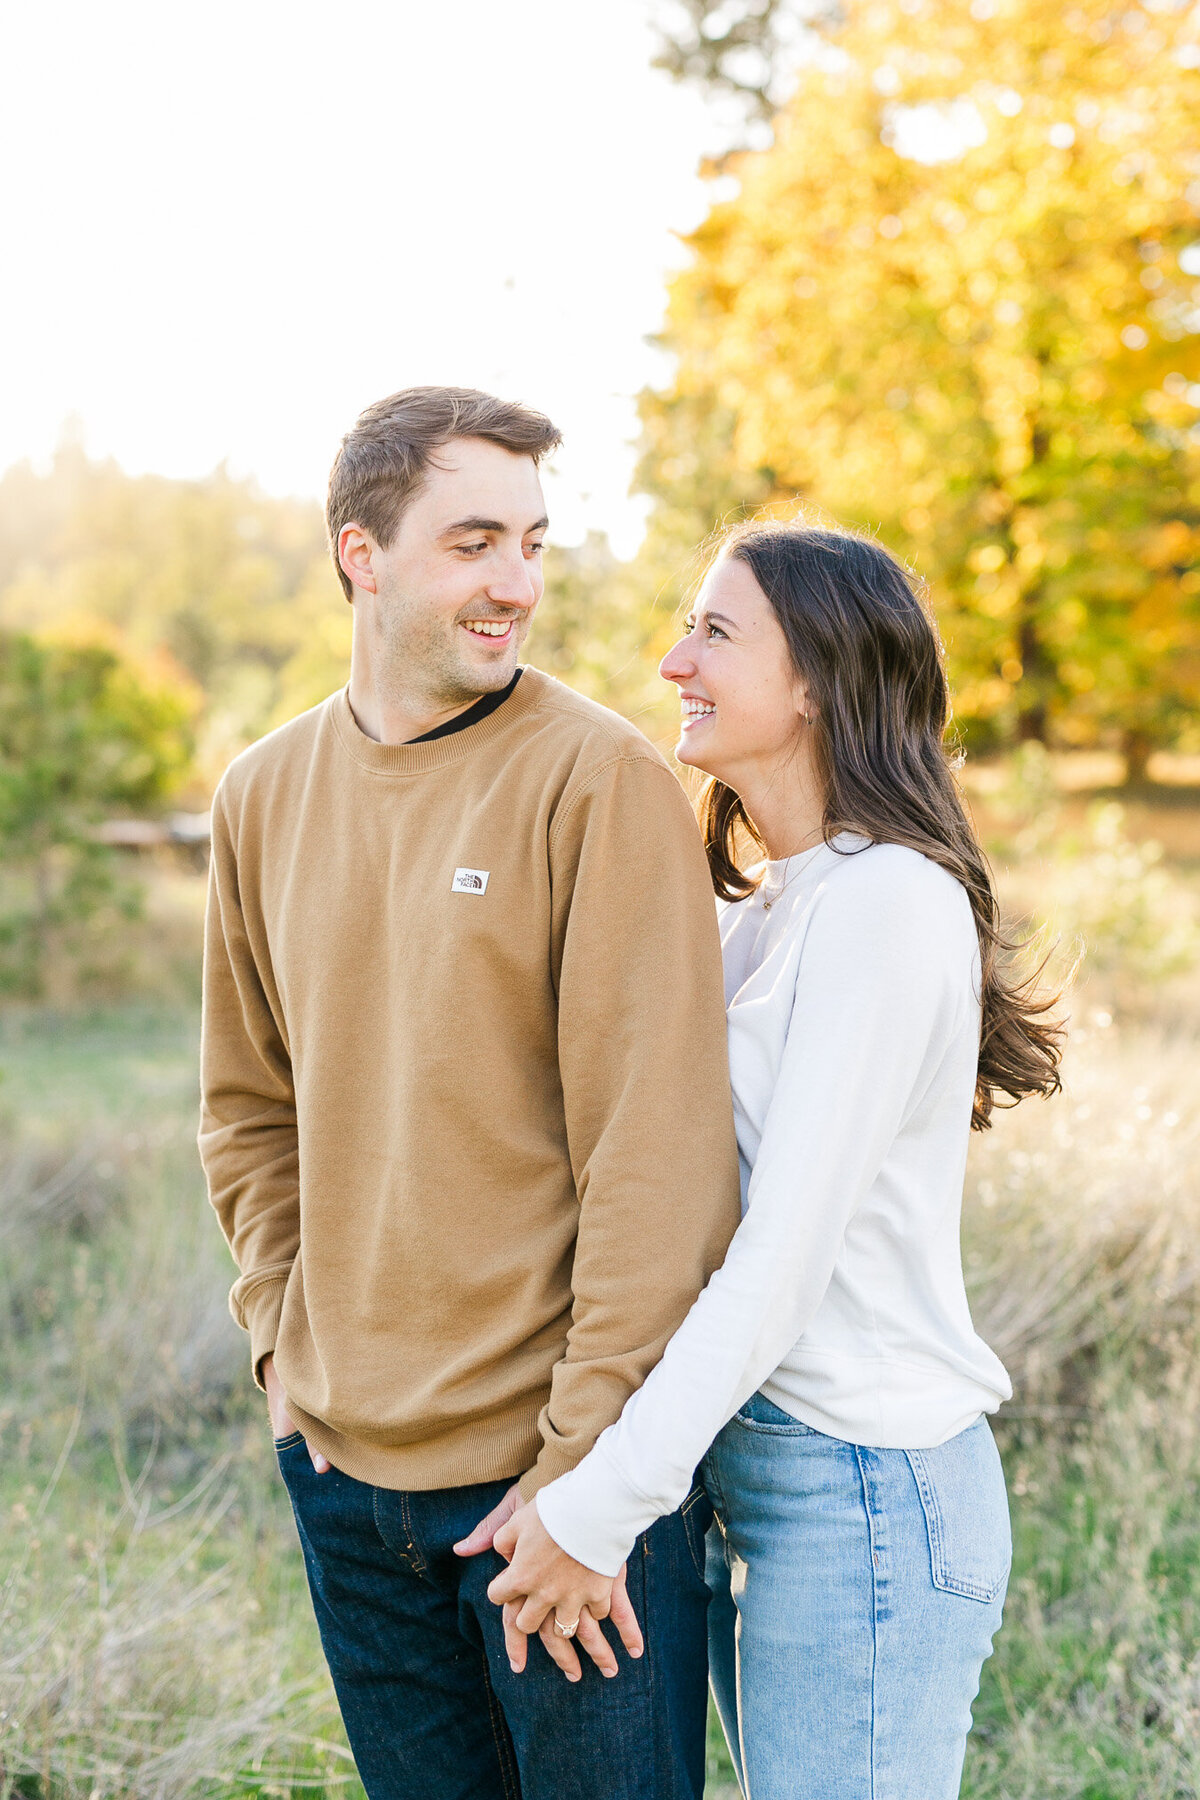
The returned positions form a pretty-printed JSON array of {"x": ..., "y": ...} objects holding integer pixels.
[{"x": 481, "y": 709}]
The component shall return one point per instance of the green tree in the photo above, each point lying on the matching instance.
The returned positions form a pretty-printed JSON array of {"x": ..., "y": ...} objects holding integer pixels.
[
  {"x": 82, "y": 732},
  {"x": 234, "y": 585},
  {"x": 956, "y": 300},
  {"x": 594, "y": 628}
]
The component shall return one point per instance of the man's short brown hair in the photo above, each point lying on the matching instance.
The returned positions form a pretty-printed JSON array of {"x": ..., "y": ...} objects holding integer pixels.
[{"x": 384, "y": 456}]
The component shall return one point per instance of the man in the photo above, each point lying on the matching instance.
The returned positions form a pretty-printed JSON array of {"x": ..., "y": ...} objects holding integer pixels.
[{"x": 466, "y": 1123}]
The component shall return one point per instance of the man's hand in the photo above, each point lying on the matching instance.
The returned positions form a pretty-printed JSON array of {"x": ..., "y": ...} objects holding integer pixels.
[
  {"x": 484, "y": 1534},
  {"x": 543, "y": 1584},
  {"x": 282, "y": 1422}
]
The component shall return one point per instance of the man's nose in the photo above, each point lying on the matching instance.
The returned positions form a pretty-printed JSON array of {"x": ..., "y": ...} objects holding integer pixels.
[{"x": 514, "y": 583}]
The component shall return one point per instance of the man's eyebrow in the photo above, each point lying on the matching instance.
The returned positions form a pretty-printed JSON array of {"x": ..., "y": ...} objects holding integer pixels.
[{"x": 474, "y": 524}]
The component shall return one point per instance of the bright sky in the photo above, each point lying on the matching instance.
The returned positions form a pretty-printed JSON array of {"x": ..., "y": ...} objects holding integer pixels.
[{"x": 230, "y": 227}]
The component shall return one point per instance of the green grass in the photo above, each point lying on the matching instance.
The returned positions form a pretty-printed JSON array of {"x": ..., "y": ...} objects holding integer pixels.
[{"x": 76, "y": 1070}]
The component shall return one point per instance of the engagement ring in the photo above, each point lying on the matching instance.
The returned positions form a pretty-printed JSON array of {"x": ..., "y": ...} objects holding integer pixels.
[{"x": 565, "y": 1630}]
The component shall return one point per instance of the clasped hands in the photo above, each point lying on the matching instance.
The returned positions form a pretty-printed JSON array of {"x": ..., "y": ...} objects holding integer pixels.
[{"x": 543, "y": 1584}]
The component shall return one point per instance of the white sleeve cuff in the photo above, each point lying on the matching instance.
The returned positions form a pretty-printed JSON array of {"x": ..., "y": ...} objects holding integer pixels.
[{"x": 593, "y": 1514}]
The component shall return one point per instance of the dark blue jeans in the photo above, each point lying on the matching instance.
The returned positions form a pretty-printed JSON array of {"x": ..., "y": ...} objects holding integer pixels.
[{"x": 431, "y": 1706}]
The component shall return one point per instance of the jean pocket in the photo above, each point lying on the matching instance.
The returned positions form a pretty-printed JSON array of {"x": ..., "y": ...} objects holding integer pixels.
[
  {"x": 761, "y": 1414},
  {"x": 961, "y": 1486},
  {"x": 697, "y": 1515}
]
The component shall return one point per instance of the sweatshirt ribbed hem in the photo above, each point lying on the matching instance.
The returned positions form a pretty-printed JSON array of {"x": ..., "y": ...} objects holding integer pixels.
[
  {"x": 552, "y": 1462},
  {"x": 499, "y": 1448}
]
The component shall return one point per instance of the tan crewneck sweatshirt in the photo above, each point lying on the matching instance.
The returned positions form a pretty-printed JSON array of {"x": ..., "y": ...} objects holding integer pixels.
[{"x": 466, "y": 1112}]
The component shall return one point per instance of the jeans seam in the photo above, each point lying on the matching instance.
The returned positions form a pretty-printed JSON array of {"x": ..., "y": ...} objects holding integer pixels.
[
  {"x": 418, "y": 1564},
  {"x": 652, "y": 1680},
  {"x": 866, "y": 1494},
  {"x": 927, "y": 1494},
  {"x": 712, "y": 1486},
  {"x": 697, "y": 1496},
  {"x": 766, "y": 1429},
  {"x": 509, "y": 1774},
  {"x": 408, "y": 1557}
]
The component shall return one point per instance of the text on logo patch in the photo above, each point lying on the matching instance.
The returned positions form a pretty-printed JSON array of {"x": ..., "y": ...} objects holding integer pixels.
[{"x": 470, "y": 881}]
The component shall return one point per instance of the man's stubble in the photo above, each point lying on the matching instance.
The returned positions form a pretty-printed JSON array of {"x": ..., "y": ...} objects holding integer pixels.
[{"x": 416, "y": 660}]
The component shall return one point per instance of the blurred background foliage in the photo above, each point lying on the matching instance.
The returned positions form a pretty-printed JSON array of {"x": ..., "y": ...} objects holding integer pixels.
[
  {"x": 950, "y": 293},
  {"x": 957, "y": 300}
]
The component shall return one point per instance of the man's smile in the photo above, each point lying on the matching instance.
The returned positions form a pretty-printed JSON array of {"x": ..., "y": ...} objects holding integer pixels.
[{"x": 497, "y": 630}]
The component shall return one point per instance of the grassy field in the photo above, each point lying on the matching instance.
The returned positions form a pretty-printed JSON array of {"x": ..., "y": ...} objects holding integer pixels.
[{"x": 155, "y": 1636}]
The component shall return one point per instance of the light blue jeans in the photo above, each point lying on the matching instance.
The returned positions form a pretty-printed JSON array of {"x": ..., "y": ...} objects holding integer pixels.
[{"x": 856, "y": 1593}]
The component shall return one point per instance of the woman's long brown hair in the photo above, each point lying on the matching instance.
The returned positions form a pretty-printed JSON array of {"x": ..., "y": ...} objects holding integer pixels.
[{"x": 864, "y": 643}]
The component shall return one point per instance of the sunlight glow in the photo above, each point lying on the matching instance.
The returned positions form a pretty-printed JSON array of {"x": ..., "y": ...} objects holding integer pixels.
[{"x": 232, "y": 229}]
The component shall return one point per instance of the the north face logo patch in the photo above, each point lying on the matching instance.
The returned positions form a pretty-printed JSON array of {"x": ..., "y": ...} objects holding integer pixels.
[{"x": 470, "y": 881}]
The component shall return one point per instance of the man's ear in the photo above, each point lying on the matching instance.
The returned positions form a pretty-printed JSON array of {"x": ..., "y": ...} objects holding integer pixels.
[{"x": 355, "y": 548}]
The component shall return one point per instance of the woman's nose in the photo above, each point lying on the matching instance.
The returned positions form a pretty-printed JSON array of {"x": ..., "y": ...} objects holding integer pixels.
[{"x": 677, "y": 664}]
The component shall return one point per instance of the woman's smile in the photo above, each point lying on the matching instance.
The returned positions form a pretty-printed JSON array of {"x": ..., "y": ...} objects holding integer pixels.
[{"x": 695, "y": 708}]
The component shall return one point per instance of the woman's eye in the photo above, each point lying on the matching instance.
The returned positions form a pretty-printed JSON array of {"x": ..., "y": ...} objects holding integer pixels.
[{"x": 714, "y": 630}]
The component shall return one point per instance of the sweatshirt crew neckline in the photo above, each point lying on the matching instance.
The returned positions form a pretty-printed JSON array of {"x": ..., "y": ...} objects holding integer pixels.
[
  {"x": 478, "y": 709},
  {"x": 419, "y": 757}
]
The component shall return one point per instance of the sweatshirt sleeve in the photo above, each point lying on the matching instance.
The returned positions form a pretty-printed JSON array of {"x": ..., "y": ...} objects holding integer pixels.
[
  {"x": 646, "y": 1099},
  {"x": 248, "y": 1139},
  {"x": 877, "y": 997}
]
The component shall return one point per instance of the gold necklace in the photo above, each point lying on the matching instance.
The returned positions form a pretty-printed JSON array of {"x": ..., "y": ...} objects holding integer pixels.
[{"x": 768, "y": 904}]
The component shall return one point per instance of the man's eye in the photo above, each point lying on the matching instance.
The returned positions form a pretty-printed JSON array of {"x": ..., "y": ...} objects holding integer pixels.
[
  {"x": 472, "y": 549},
  {"x": 534, "y": 549}
]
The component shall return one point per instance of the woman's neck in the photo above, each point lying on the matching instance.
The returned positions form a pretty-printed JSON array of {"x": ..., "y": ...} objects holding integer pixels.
[{"x": 787, "y": 810}]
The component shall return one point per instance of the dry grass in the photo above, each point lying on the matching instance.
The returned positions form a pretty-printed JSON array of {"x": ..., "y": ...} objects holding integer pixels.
[
  {"x": 1083, "y": 1213},
  {"x": 155, "y": 1639}
]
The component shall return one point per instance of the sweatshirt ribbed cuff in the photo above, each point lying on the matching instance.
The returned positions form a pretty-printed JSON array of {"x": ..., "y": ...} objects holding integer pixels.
[
  {"x": 593, "y": 1514},
  {"x": 551, "y": 1463},
  {"x": 259, "y": 1312}
]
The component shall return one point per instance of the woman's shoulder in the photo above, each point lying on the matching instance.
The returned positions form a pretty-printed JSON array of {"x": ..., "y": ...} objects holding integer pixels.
[{"x": 893, "y": 883}]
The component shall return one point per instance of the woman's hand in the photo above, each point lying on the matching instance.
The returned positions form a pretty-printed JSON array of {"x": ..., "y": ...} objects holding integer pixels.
[{"x": 542, "y": 1585}]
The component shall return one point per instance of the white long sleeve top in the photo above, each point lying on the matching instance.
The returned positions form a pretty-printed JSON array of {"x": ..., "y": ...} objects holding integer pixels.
[{"x": 852, "y": 989}]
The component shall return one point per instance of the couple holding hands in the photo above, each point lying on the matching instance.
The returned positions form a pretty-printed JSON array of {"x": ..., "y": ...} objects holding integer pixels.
[{"x": 599, "y": 1248}]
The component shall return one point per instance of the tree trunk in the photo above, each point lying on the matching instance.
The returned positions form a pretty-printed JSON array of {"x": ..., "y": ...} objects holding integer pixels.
[{"x": 1137, "y": 747}]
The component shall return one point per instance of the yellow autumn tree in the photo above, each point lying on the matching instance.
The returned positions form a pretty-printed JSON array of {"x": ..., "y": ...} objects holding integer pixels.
[{"x": 957, "y": 300}]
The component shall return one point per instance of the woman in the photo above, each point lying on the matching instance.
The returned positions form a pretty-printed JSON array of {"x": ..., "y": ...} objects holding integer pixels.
[{"x": 863, "y": 1551}]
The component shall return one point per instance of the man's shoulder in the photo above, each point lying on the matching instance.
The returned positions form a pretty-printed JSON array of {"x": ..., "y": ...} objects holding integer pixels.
[
  {"x": 598, "y": 736},
  {"x": 288, "y": 748}
]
